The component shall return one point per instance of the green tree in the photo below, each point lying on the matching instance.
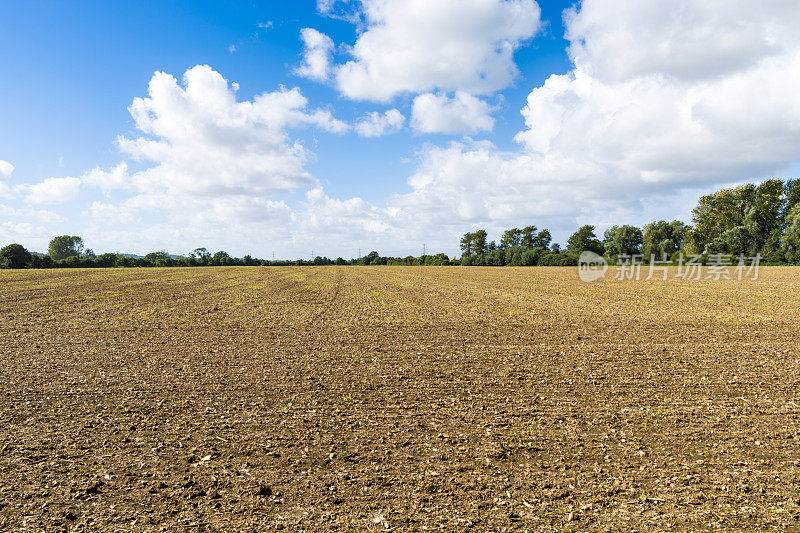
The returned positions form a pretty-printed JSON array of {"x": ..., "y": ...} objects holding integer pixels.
[
  {"x": 479, "y": 242},
  {"x": 106, "y": 260},
  {"x": 662, "y": 237},
  {"x": 764, "y": 216},
  {"x": 791, "y": 238},
  {"x": 495, "y": 258},
  {"x": 440, "y": 259},
  {"x": 735, "y": 241},
  {"x": 467, "y": 244},
  {"x": 791, "y": 193},
  {"x": 528, "y": 236},
  {"x": 747, "y": 219},
  {"x": 474, "y": 243},
  {"x": 41, "y": 261},
  {"x": 557, "y": 259},
  {"x": 510, "y": 238},
  {"x": 543, "y": 239},
  {"x": 584, "y": 239},
  {"x": 72, "y": 261},
  {"x": 220, "y": 258},
  {"x": 717, "y": 213},
  {"x": 65, "y": 246},
  {"x": 202, "y": 255},
  {"x": 622, "y": 240},
  {"x": 372, "y": 258},
  {"x": 14, "y": 256},
  {"x": 159, "y": 259},
  {"x": 756, "y": 213}
]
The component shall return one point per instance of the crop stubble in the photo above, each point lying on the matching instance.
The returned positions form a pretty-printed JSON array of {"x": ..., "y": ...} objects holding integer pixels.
[{"x": 353, "y": 399}]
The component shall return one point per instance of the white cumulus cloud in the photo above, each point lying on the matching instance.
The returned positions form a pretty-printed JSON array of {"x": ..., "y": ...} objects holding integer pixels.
[
  {"x": 53, "y": 190},
  {"x": 6, "y": 169},
  {"x": 325, "y": 6},
  {"x": 108, "y": 180},
  {"x": 463, "y": 113},
  {"x": 623, "y": 138},
  {"x": 205, "y": 142},
  {"x": 317, "y": 52},
  {"x": 25, "y": 232},
  {"x": 418, "y": 45},
  {"x": 670, "y": 123},
  {"x": 111, "y": 214},
  {"x": 375, "y": 124},
  {"x": 615, "y": 40},
  {"x": 210, "y": 159},
  {"x": 331, "y": 215},
  {"x": 40, "y": 215}
]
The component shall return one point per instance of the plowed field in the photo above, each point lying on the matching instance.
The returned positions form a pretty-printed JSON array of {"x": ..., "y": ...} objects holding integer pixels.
[{"x": 381, "y": 398}]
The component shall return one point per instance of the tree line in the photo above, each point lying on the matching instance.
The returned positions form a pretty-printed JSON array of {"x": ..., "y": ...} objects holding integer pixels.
[
  {"x": 748, "y": 220},
  {"x": 752, "y": 219},
  {"x": 518, "y": 247},
  {"x": 67, "y": 251}
]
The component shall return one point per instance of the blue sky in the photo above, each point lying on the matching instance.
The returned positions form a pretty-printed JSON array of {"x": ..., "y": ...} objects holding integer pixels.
[
  {"x": 600, "y": 142},
  {"x": 81, "y": 63}
]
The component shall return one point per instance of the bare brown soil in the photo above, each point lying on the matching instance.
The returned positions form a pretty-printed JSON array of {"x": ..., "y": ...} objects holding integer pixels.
[{"x": 403, "y": 399}]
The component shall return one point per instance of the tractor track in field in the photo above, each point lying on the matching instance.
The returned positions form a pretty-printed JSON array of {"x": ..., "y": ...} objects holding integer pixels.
[{"x": 329, "y": 302}]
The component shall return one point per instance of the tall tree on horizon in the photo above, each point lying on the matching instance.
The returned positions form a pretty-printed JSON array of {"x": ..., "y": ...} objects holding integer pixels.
[
  {"x": 510, "y": 238},
  {"x": 584, "y": 239},
  {"x": 65, "y": 246}
]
